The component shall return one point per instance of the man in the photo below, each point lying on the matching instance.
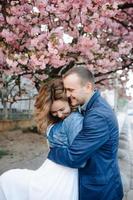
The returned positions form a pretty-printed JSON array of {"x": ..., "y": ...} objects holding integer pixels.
[{"x": 94, "y": 150}]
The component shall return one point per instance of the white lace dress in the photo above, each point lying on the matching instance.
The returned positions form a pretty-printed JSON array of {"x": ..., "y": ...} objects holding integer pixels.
[{"x": 50, "y": 182}]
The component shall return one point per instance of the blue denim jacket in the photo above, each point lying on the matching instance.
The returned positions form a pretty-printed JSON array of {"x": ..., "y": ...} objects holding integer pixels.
[
  {"x": 63, "y": 133},
  {"x": 97, "y": 145}
]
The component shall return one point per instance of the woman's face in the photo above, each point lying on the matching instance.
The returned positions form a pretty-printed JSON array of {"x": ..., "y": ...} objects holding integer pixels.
[{"x": 60, "y": 109}]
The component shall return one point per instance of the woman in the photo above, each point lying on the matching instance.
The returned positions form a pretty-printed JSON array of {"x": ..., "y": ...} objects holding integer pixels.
[{"x": 50, "y": 181}]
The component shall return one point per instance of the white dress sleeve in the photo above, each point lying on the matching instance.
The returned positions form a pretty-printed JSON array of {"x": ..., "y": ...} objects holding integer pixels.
[{"x": 47, "y": 133}]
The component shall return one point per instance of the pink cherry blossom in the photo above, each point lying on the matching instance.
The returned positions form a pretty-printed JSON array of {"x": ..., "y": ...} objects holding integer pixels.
[{"x": 100, "y": 36}]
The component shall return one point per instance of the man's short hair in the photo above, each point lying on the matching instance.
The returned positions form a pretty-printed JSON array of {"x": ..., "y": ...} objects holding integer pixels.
[{"x": 83, "y": 73}]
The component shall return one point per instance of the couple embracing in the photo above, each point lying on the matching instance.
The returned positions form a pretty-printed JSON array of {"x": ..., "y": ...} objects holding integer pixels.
[{"x": 83, "y": 139}]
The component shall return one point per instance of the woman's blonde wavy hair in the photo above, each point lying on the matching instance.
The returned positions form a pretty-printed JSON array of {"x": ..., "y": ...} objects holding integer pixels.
[{"x": 50, "y": 91}]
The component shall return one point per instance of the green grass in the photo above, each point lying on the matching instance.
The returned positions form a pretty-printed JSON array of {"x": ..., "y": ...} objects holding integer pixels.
[{"x": 3, "y": 153}]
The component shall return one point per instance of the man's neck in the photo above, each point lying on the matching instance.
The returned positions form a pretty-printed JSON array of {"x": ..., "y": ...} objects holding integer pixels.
[{"x": 83, "y": 107}]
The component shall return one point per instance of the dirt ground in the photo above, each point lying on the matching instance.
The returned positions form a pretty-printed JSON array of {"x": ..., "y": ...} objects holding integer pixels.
[{"x": 24, "y": 148}]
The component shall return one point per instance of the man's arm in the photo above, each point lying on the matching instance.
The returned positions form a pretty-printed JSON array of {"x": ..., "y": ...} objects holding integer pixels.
[{"x": 94, "y": 134}]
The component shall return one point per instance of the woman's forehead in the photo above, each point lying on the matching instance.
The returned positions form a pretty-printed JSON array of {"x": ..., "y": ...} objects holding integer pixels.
[{"x": 58, "y": 104}]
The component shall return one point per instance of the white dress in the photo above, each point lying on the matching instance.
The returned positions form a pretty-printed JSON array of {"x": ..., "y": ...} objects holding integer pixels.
[{"x": 49, "y": 182}]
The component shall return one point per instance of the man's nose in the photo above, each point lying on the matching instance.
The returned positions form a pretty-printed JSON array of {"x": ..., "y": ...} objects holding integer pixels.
[{"x": 68, "y": 94}]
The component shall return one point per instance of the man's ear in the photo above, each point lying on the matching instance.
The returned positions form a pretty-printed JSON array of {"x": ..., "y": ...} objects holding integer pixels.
[{"x": 89, "y": 86}]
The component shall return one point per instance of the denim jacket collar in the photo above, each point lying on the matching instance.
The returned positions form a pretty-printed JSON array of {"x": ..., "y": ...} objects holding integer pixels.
[
  {"x": 89, "y": 102},
  {"x": 93, "y": 98}
]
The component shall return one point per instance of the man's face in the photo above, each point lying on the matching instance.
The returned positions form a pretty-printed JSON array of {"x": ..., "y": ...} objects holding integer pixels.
[
  {"x": 60, "y": 109},
  {"x": 75, "y": 90}
]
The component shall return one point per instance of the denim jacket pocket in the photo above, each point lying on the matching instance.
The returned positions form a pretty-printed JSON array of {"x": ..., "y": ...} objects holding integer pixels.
[{"x": 94, "y": 180}]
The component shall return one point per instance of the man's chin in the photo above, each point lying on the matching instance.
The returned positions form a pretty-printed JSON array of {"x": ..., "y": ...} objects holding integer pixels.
[{"x": 74, "y": 104}]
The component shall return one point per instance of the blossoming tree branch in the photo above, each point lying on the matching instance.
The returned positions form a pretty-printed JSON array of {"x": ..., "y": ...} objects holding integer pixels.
[{"x": 43, "y": 38}]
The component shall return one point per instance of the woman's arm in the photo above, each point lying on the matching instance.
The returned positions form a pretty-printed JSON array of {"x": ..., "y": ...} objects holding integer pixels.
[
  {"x": 55, "y": 136},
  {"x": 63, "y": 133},
  {"x": 72, "y": 125},
  {"x": 94, "y": 134}
]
